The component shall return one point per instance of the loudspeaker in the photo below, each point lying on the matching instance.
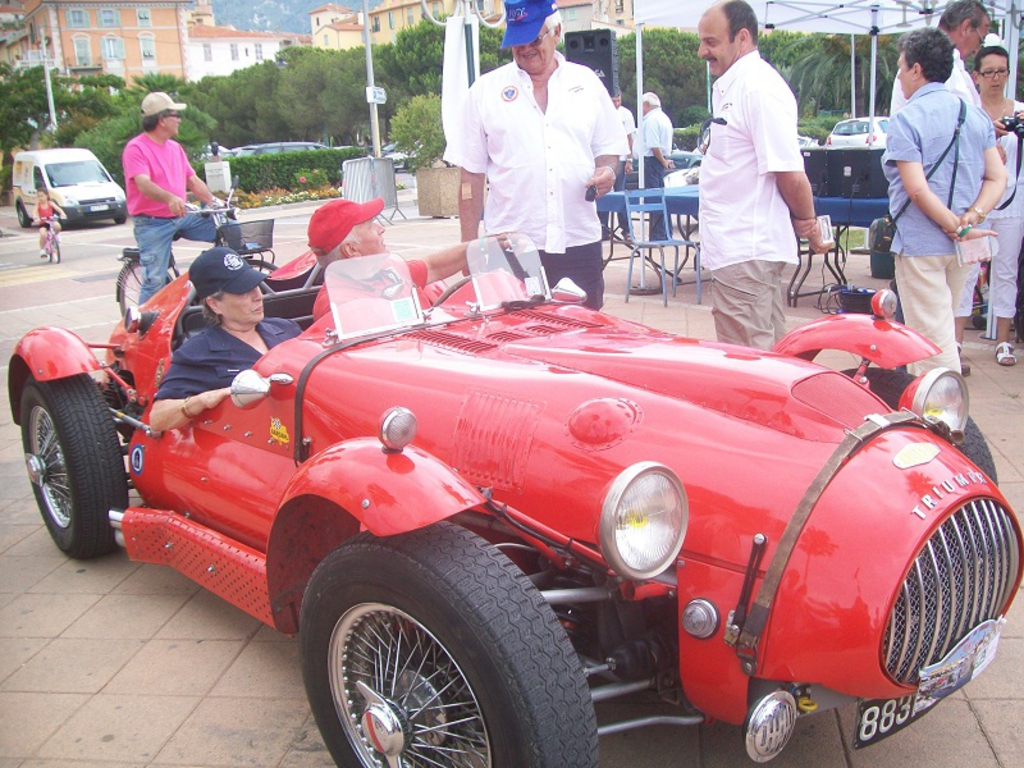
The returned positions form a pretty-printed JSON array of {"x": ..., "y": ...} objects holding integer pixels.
[
  {"x": 595, "y": 49},
  {"x": 856, "y": 173},
  {"x": 817, "y": 172}
]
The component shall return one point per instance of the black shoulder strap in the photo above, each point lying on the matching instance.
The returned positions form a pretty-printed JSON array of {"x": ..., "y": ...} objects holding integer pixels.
[{"x": 955, "y": 141}]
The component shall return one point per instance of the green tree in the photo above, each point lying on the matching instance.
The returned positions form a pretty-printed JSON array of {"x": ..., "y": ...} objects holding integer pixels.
[
  {"x": 416, "y": 129},
  {"x": 672, "y": 69}
]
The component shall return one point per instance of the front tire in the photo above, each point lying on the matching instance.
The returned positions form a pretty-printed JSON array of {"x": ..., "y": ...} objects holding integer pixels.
[
  {"x": 432, "y": 648},
  {"x": 75, "y": 463},
  {"x": 23, "y": 218},
  {"x": 889, "y": 386}
]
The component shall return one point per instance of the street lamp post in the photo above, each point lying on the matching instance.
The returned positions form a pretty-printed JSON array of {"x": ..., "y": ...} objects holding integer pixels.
[
  {"x": 49, "y": 86},
  {"x": 374, "y": 120}
]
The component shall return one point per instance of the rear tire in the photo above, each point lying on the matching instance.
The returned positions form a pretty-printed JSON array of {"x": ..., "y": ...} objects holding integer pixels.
[
  {"x": 129, "y": 284},
  {"x": 450, "y": 643},
  {"x": 76, "y": 463},
  {"x": 889, "y": 386}
]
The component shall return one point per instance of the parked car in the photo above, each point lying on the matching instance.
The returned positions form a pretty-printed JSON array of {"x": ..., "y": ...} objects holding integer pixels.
[
  {"x": 482, "y": 518},
  {"x": 806, "y": 141},
  {"x": 276, "y": 147},
  {"x": 683, "y": 160},
  {"x": 76, "y": 181},
  {"x": 856, "y": 133},
  {"x": 400, "y": 160}
]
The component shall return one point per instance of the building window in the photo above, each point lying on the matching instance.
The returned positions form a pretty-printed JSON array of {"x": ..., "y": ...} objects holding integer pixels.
[
  {"x": 144, "y": 17},
  {"x": 409, "y": 18},
  {"x": 83, "y": 54},
  {"x": 234, "y": 51},
  {"x": 147, "y": 46},
  {"x": 207, "y": 52},
  {"x": 376, "y": 23},
  {"x": 258, "y": 51},
  {"x": 78, "y": 19},
  {"x": 109, "y": 18},
  {"x": 327, "y": 42},
  {"x": 620, "y": 6},
  {"x": 391, "y": 19},
  {"x": 113, "y": 48},
  {"x": 570, "y": 14}
]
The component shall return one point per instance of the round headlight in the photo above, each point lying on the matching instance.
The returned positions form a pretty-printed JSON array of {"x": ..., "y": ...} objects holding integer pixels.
[
  {"x": 939, "y": 396},
  {"x": 397, "y": 428},
  {"x": 643, "y": 520}
]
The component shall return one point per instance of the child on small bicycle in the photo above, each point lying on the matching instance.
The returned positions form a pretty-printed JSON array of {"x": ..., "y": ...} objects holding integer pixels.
[{"x": 46, "y": 217}]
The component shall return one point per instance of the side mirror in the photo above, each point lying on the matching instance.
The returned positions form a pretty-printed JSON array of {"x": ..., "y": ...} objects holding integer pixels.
[
  {"x": 567, "y": 292},
  {"x": 248, "y": 387}
]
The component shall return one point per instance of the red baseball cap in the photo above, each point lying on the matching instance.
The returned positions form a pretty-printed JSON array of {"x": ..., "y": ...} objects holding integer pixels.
[{"x": 331, "y": 223}]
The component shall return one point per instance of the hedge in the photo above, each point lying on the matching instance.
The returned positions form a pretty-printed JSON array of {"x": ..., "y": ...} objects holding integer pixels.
[{"x": 259, "y": 172}]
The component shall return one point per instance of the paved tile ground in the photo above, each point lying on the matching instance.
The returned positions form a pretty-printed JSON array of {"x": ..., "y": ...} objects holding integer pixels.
[{"x": 110, "y": 663}]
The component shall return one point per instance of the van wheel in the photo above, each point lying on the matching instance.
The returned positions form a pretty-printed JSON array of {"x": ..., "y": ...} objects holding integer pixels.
[{"x": 23, "y": 218}]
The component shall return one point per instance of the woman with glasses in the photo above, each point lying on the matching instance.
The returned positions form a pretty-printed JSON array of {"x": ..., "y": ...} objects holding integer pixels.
[
  {"x": 991, "y": 70},
  {"x": 945, "y": 176}
]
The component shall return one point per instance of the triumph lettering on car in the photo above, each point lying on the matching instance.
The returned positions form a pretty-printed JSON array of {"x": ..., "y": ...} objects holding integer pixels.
[{"x": 483, "y": 507}]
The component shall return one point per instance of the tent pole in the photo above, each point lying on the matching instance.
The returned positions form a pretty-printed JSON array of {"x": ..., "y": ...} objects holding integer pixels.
[
  {"x": 874, "y": 76},
  {"x": 853, "y": 75}
]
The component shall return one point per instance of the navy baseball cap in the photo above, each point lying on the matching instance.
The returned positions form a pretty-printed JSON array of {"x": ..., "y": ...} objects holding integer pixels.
[
  {"x": 221, "y": 269},
  {"x": 524, "y": 19}
]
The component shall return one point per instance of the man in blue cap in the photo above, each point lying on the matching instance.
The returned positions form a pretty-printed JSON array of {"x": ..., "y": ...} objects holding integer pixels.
[{"x": 542, "y": 131}]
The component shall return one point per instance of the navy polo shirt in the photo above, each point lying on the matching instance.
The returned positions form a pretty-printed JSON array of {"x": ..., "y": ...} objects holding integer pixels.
[{"x": 213, "y": 358}]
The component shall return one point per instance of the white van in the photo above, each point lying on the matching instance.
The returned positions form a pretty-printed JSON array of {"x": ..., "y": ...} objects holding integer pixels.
[{"x": 76, "y": 181}]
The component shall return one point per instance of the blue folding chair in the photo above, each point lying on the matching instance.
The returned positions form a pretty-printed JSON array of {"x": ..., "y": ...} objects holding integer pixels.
[{"x": 652, "y": 202}]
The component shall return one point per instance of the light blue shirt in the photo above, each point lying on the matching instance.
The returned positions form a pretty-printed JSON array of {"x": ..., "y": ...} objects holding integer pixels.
[
  {"x": 657, "y": 130},
  {"x": 920, "y": 133}
]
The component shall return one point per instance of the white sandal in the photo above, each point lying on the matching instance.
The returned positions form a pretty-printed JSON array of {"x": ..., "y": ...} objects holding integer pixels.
[{"x": 1004, "y": 354}]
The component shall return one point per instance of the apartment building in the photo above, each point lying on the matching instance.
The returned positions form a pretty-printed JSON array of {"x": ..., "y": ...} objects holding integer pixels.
[
  {"x": 336, "y": 27},
  {"x": 127, "y": 39}
]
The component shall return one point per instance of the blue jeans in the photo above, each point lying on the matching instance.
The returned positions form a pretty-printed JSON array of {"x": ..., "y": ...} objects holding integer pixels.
[
  {"x": 155, "y": 236},
  {"x": 654, "y": 178}
]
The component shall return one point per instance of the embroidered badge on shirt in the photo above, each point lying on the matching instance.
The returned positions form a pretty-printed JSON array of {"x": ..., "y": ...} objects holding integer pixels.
[{"x": 511, "y": 93}]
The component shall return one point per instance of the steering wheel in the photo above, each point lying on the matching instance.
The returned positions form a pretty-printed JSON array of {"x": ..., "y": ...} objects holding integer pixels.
[{"x": 448, "y": 292}]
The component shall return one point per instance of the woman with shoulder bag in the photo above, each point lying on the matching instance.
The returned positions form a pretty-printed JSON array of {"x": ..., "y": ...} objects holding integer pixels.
[{"x": 945, "y": 175}]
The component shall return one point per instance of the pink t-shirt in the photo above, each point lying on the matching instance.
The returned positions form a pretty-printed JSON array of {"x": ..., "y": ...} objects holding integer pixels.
[{"x": 166, "y": 165}]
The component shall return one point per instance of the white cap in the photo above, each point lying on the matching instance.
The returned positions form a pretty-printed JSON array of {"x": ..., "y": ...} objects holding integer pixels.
[
  {"x": 158, "y": 102},
  {"x": 992, "y": 40}
]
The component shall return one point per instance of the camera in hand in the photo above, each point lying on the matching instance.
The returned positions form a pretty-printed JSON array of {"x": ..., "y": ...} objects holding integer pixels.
[{"x": 1013, "y": 124}]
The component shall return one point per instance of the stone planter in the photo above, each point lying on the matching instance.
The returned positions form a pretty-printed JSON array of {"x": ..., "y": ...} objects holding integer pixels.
[{"x": 437, "y": 191}]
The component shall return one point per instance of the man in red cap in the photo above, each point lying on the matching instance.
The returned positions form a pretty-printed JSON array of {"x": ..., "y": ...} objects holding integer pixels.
[{"x": 342, "y": 229}]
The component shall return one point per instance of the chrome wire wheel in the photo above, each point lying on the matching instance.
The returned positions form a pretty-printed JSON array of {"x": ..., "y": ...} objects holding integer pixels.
[
  {"x": 401, "y": 697},
  {"x": 47, "y": 467}
]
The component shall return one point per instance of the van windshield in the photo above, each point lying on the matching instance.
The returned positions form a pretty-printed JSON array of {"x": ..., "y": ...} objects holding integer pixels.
[{"x": 77, "y": 172}]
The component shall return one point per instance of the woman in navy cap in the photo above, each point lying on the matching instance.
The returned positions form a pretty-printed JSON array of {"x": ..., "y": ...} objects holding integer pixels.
[{"x": 202, "y": 368}]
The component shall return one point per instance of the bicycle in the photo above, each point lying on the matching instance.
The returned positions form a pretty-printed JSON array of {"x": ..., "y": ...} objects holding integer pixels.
[
  {"x": 249, "y": 244},
  {"x": 51, "y": 243}
]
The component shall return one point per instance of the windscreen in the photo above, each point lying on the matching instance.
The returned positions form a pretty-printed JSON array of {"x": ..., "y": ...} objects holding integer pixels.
[{"x": 76, "y": 172}]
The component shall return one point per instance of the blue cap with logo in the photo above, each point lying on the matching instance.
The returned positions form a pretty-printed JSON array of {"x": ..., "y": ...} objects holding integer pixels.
[
  {"x": 524, "y": 20},
  {"x": 221, "y": 269}
]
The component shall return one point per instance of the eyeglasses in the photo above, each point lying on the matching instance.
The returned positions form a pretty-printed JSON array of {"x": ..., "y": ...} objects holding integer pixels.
[
  {"x": 994, "y": 73},
  {"x": 540, "y": 38},
  {"x": 704, "y": 139}
]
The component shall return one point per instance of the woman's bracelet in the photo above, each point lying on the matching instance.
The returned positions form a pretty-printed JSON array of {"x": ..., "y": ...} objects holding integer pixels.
[{"x": 184, "y": 408}]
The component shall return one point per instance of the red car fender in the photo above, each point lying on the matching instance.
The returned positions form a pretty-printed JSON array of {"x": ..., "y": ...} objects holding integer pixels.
[
  {"x": 886, "y": 344},
  {"x": 381, "y": 492},
  {"x": 47, "y": 354}
]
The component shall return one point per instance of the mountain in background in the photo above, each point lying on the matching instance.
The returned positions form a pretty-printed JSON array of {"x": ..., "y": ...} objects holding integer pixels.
[{"x": 275, "y": 15}]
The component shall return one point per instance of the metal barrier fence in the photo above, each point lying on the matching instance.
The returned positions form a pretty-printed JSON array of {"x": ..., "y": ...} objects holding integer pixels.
[{"x": 366, "y": 178}]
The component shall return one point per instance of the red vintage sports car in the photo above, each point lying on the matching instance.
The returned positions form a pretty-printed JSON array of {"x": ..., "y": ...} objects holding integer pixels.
[{"x": 482, "y": 517}]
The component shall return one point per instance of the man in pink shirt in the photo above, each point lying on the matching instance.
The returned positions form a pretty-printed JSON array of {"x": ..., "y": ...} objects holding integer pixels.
[{"x": 158, "y": 175}]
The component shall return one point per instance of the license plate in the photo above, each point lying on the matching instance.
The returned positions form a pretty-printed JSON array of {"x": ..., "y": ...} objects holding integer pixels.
[
  {"x": 879, "y": 718},
  {"x": 98, "y": 207}
]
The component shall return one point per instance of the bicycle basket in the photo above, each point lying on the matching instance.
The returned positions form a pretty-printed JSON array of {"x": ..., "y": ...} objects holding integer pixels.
[{"x": 249, "y": 236}]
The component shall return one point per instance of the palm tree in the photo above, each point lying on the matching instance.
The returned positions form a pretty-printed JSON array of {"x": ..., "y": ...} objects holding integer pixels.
[{"x": 821, "y": 72}]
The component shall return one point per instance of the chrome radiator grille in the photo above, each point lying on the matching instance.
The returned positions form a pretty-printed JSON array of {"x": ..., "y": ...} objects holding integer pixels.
[{"x": 962, "y": 577}]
